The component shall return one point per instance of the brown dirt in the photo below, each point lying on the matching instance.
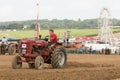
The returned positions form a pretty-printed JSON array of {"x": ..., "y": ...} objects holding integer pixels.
[
  {"x": 79, "y": 67},
  {"x": 117, "y": 35}
]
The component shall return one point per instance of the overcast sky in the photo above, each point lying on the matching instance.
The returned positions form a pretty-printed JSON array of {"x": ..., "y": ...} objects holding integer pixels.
[{"x": 12, "y": 10}]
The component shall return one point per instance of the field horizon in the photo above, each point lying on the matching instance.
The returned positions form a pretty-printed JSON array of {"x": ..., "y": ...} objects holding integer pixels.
[{"x": 30, "y": 33}]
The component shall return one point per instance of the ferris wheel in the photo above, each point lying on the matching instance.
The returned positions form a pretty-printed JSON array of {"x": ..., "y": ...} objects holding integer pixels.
[
  {"x": 105, "y": 19},
  {"x": 104, "y": 26}
]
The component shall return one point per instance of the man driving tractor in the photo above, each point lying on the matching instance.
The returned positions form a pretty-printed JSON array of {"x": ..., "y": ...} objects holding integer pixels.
[
  {"x": 53, "y": 36},
  {"x": 5, "y": 41}
]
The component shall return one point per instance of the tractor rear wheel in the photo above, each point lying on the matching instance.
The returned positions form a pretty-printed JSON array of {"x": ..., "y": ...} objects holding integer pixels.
[
  {"x": 59, "y": 58},
  {"x": 17, "y": 62},
  {"x": 12, "y": 49},
  {"x": 31, "y": 65},
  {"x": 39, "y": 62}
]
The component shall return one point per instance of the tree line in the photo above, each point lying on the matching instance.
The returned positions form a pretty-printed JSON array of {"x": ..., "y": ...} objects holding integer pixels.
[{"x": 55, "y": 24}]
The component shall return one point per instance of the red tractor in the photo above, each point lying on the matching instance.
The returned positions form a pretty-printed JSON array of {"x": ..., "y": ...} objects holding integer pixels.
[
  {"x": 11, "y": 48},
  {"x": 37, "y": 52}
]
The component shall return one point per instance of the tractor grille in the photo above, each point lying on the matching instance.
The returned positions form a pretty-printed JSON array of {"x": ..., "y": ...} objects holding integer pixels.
[{"x": 24, "y": 51}]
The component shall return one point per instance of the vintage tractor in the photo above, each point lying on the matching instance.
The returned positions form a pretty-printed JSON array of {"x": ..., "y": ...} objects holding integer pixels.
[
  {"x": 37, "y": 52},
  {"x": 12, "y": 47}
]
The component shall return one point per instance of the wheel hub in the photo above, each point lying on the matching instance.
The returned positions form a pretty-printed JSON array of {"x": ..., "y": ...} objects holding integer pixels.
[{"x": 61, "y": 58}]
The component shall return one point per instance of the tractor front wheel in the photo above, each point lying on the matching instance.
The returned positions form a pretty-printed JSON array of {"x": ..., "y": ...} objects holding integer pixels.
[
  {"x": 17, "y": 62},
  {"x": 59, "y": 58},
  {"x": 12, "y": 49},
  {"x": 2, "y": 49},
  {"x": 39, "y": 62}
]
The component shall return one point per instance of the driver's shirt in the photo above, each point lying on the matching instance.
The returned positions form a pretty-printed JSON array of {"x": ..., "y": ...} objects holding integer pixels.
[
  {"x": 53, "y": 38},
  {"x": 4, "y": 40}
]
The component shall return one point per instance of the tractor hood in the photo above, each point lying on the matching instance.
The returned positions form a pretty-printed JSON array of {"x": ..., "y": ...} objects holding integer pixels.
[{"x": 34, "y": 42}]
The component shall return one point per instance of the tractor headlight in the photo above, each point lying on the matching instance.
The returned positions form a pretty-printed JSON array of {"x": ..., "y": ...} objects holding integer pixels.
[
  {"x": 24, "y": 46},
  {"x": 24, "y": 51}
]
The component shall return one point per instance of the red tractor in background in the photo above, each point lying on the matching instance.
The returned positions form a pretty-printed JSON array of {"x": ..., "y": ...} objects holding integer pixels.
[
  {"x": 11, "y": 48},
  {"x": 37, "y": 52}
]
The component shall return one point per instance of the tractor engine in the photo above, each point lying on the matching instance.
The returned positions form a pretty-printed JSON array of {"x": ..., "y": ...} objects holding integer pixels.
[{"x": 33, "y": 47}]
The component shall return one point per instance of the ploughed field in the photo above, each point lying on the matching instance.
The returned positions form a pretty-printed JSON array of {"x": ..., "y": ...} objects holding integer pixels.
[{"x": 79, "y": 67}]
